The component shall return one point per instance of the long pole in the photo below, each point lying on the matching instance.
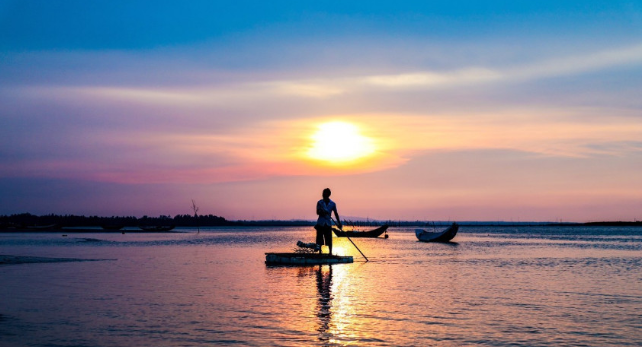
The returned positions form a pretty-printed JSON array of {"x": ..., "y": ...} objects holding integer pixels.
[{"x": 355, "y": 246}]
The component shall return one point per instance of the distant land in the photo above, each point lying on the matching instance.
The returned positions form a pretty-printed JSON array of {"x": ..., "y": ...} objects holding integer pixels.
[{"x": 73, "y": 221}]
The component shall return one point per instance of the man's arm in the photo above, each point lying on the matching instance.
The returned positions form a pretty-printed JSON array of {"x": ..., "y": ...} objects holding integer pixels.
[
  {"x": 320, "y": 210},
  {"x": 338, "y": 220}
]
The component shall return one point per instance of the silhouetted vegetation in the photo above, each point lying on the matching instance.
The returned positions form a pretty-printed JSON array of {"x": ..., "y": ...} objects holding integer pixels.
[{"x": 185, "y": 220}]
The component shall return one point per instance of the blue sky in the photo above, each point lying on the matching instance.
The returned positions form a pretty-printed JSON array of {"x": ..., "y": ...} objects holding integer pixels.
[
  {"x": 101, "y": 25},
  {"x": 106, "y": 107}
]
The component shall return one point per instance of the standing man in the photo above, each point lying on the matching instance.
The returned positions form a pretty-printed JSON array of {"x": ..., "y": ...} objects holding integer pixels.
[{"x": 325, "y": 207}]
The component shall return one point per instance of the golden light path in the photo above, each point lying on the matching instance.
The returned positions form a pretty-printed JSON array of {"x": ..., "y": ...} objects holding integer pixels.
[{"x": 339, "y": 142}]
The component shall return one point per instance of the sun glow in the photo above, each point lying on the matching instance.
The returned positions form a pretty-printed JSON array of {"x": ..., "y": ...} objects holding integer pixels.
[{"x": 339, "y": 142}]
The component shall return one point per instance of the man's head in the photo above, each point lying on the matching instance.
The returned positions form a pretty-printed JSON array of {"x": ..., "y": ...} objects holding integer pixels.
[{"x": 326, "y": 193}]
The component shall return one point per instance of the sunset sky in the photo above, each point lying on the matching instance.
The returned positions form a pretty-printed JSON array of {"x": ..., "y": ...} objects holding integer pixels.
[{"x": 429, "y": 110}]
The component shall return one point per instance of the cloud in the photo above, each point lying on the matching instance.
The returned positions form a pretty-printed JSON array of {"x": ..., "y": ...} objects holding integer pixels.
[
  {"x": 471, "y": 76},
  {"x": 245, "y": 127},
  {"x": 270, "y": 95},
  {"x": 128, "y": 74},
  {"x": 585, "y": 63}
]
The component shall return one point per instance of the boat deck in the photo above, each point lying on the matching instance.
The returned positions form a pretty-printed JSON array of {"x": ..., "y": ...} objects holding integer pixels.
[{"x": 305, "y": 259}]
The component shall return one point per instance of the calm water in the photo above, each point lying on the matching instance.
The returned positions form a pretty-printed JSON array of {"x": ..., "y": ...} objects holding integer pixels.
[{"x": 537, "y": 286}]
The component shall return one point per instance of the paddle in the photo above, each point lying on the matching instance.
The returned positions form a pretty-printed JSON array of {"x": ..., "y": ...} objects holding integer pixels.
[{"x": 355, "y": 246}]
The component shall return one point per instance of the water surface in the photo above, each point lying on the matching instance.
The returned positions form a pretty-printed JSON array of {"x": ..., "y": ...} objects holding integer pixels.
[{"x": 525, "y": 286}]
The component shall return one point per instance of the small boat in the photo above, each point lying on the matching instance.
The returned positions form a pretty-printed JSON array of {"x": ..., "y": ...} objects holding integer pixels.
[
  {"x": 156, "y": 228},
  {"x": 371, "y": 233},
  {"x": 305, "y": 259},
  {"x": 444, "y": 236}
]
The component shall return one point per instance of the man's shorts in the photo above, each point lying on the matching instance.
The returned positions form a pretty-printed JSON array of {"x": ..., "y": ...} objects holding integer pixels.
[{"x": 324, "y": 233}]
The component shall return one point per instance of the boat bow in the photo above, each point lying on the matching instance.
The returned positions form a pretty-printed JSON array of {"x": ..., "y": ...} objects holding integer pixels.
[{"x": 444, "y": 236}]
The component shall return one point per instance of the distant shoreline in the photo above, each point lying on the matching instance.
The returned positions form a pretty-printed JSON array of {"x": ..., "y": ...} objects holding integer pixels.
[
  {"x": 26, "y": 222},
  {"x": 285, "y": 224},
  {"x": 618, "y": 224}
]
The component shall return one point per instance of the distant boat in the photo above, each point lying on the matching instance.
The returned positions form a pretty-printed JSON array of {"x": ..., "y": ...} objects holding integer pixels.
[
  {"x": 444, "y": 236},
  {"x": 157, "y": 228},
  {"x": 305, "y": 259},
  {"x": 372, "y": 233}
]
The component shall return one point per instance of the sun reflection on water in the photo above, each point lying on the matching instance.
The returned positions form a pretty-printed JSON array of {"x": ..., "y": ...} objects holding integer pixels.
[
  {"x": 537, "y": 287},
  {"x": 324, "y": 301}
]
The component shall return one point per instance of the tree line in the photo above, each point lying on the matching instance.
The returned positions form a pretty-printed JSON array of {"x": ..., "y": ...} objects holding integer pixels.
[{"x": 185, "y": 220}]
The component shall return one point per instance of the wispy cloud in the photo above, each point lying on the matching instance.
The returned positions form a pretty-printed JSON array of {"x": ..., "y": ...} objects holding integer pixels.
[
  {"x": 174, "y": 133},
  {"x": 315, "y": 85},
  {"x": 476, "y": 75}
]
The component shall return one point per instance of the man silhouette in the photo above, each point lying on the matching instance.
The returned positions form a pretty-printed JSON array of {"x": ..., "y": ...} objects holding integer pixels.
[{"x": 325, "y": 207}]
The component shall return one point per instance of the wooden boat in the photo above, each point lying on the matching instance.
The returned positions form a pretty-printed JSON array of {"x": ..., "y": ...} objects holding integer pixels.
[
  {"x": 444, "y": 236},
  {"x": 371, "y": 233},
  {"x": 305, "y": 259},
  {"x": 157, "y": 228}
]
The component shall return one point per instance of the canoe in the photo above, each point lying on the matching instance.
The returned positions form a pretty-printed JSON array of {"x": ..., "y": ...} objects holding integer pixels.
[
  {"x": 305, "y": 259},
  {"x": 157, "y": 228},
  {"x": 372, "y": 233},
  {"x": 444, "y": 236}
]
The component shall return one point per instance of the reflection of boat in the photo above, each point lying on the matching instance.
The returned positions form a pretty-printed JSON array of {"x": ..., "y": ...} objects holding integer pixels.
[
  {"x": 444, "y": 236},
  {"x": 157, "y": 228},
  {"x": 305, "y": 259},
  {"x": 372, "y": 233}
]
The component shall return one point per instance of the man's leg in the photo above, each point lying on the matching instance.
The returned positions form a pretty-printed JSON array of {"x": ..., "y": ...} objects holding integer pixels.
[
  {"x": 319, "y": 240},
  {"x": 328, "y": 238}
]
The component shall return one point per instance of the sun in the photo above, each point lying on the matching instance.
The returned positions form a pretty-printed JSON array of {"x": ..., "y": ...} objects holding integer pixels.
[{"x": 339, "y": 142}]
